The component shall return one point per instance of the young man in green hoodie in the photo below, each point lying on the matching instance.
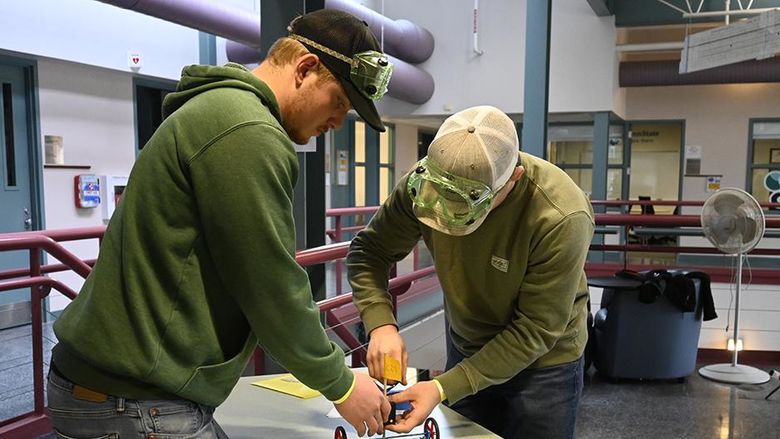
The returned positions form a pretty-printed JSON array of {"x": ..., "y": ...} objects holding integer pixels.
[
  {"x": 509, "y": 234},
  {"x": 197, "y": 266}
]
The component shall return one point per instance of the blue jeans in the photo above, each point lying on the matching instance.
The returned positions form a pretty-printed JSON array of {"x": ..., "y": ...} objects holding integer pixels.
[
  {"x": 535, "y": 403},
  {"x": 78, "y": 418}
]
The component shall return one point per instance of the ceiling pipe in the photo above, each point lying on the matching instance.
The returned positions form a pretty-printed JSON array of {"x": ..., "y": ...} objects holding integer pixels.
[
  {"x": 402, "y": 38},
  {"x": 410, "y": 83},
  {"x": 209, "y": 16},
  {"x": 242, "y": 54}
]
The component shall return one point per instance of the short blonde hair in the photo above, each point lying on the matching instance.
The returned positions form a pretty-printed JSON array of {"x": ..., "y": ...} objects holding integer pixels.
[{"x": 286, "y": 50}]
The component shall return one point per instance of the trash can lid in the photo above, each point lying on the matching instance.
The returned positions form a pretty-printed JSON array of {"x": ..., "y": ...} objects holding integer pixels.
[{"x": 613, "y": 282}]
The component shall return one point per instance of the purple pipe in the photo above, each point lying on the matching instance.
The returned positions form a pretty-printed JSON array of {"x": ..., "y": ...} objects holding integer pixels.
[
  {"x": 410, "y": 83},
  {"x": 241, "y": 53},
  {"x": 403, "y": 38},
  {"x": 204, "y": 15}
]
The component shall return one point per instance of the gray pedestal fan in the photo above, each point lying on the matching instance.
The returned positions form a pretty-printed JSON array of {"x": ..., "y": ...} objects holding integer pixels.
[{"x": 733, "y": 222}]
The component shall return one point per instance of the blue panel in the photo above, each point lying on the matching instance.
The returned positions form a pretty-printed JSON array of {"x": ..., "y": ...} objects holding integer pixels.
[
  {"x": 208, "y": 48},
  {"x": 600, "y": 157},
  {"x": 537, "y": 72}
]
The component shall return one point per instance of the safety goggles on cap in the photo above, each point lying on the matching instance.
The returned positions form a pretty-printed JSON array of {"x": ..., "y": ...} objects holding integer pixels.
[
  {"x": 453, "y": 201},
  {"x": 369, "y": 71}
]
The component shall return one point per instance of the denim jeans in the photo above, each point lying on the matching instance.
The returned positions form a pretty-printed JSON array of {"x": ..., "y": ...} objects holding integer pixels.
[
  {"x": 124, "y": 418},
  {"x": 535, "y": 403}
]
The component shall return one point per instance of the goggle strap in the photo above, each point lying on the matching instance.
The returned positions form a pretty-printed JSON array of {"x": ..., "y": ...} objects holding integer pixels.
[{"x": 351, "y": 61}]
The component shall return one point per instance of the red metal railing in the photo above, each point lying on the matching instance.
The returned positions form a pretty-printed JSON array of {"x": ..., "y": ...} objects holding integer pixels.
[
  {"x": 623, "y": 221},
  {"x": 36, "y": 422},
  {"x": 336, "y": 234}
]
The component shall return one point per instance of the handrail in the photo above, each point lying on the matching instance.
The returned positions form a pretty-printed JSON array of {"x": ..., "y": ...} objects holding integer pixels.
[
  {"x": 620, "y": 219},
  {"x": 341, "y": 211},
  {"x": 663, "y": 203},
  {"x": 42, "y": 242},
  {"x": 62, "y": 235}
]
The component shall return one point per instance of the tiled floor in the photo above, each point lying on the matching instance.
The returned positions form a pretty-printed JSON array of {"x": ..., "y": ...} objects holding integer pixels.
[
  {"x": 16, "y": 382},
  {"x": 697, "y": 408}
]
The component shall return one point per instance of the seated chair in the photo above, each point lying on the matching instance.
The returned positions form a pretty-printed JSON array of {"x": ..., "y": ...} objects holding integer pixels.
[{"x": 639, "y": 340}]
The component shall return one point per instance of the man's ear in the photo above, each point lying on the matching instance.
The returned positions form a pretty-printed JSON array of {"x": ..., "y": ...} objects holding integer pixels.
[
  {"x": 517, "y": 173},
  {"x": 305, "y": 66}
]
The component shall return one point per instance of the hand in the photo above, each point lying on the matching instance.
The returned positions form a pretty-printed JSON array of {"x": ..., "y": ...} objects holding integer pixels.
[
  {"x": 385, "y": 340},
  {"x": 366, "y": 408},
  {"x": 424, "y": 397}
]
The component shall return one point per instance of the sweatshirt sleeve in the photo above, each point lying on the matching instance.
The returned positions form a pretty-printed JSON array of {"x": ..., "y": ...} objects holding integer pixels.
[
  {"x": 544, "y": 305},
  {"x": 389, "y": 237},
  {"x": 243, "y": 183}
]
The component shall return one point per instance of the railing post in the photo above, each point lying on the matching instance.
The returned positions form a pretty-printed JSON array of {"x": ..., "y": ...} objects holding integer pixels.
[
  {"x": 338, "y": 261},
  {"x": 37, "y": 331}
]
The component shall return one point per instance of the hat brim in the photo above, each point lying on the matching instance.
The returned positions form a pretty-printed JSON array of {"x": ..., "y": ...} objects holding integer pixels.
[{"x": 364, "y": 106}]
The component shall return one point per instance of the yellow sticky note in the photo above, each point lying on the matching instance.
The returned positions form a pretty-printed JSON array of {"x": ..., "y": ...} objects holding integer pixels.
[
  {"x": 392, "y": 369},
  {"x": 288, "y": 384}
]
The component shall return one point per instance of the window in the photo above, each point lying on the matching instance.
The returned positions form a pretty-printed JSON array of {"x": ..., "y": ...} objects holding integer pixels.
[
  {"x": 386, "y": 163},
  {"x": 571, "y": 148},
  {"x": 360, "y": 164},
  {"x": 764, "y": 168}
]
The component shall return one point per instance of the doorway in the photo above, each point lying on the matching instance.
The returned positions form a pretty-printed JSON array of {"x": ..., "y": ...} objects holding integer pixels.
[{"x": 20, "y": 211}]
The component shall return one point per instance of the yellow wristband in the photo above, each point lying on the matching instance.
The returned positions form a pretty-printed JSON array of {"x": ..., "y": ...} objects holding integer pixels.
[
  {"x": 441, "y": 389},
  {"x": 349, "y": 391}
]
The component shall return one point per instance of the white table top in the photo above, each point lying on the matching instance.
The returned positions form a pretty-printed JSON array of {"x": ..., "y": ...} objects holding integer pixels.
[{"x": 256, "y": 412}]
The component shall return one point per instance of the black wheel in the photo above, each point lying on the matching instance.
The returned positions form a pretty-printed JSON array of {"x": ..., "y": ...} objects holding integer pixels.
[
  {"x": 340, "y": 433},
  {"x": 431, "y": 428}
]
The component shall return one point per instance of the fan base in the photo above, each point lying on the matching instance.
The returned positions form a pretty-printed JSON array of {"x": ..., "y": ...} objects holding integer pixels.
[{"x": 739, "y": 374}]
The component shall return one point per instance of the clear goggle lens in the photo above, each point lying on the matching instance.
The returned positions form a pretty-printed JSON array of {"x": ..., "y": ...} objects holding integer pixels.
[{"x": 451, "y": 199}]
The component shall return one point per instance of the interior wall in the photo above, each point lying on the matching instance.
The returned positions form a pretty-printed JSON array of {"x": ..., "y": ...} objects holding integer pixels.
[
  {"x": 464, "y": 79},
  {"x": 405, "y": 149},
  {"x": 98, "y": 34},
  {"x": 92, "y": 109},
  {"x": 717, "y": 118}
]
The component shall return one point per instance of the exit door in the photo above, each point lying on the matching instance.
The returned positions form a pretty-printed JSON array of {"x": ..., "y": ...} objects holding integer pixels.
[{"x": 16, "y": 209}]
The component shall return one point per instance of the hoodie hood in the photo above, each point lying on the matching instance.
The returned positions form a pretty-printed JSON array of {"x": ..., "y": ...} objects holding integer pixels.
[{"x": 197, "y": 79}]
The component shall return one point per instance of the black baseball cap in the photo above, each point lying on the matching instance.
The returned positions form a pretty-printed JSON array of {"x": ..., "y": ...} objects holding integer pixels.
[{"x": 341, "y": 32}]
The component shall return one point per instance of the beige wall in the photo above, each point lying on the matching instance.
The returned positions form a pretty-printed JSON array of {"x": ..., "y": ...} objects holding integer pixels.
[
  {"x": 92, "y": 109},
  {"x": 716, "y": 117},
  {"x": 405, "y": 149}
]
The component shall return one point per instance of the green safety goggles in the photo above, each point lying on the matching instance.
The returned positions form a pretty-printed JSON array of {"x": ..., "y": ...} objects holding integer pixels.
[
  {"x": 369, "y": 71},
  {"x": 445, "y": 198}
]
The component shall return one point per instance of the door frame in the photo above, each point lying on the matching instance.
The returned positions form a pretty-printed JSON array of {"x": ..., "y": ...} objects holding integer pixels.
[{"x": 29, "y": 67}]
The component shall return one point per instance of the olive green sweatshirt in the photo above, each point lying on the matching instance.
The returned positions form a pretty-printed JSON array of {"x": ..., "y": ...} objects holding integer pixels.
[
  {"x": 515, "y": 292},
  {"x": 198, "y": 262}
]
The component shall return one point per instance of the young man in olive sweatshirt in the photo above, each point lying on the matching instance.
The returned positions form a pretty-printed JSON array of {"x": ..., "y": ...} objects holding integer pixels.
[
  {"x": 509, "y": 234},
  {"x": 197, "y": 266}
]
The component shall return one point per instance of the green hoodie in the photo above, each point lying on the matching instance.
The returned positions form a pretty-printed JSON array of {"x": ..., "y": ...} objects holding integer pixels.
[
  {"x": 515, "y": 292},
  {"x": 198, "y": 263}
]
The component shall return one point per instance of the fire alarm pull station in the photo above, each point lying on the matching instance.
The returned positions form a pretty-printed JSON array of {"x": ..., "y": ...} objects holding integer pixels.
[{"x": 87, "y": 191}]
